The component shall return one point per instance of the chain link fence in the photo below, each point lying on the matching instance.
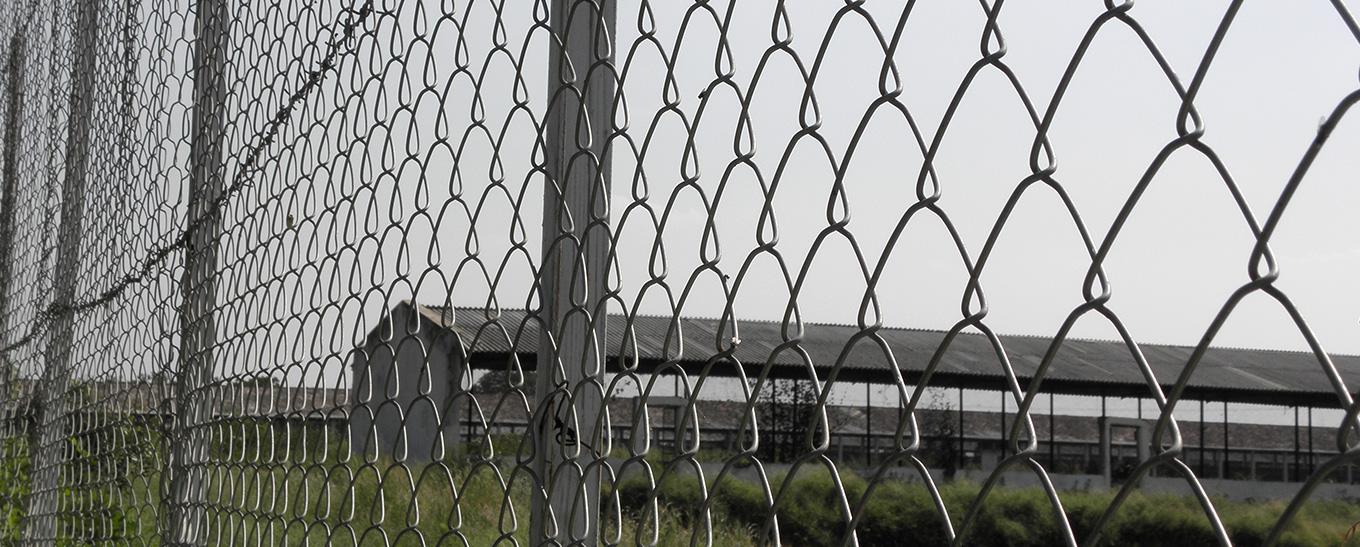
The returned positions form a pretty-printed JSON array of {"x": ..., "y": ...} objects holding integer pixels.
[{"x": 372, "y": 272}]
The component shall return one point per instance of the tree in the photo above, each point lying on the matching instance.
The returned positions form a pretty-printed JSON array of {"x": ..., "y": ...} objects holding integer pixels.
[
  {"x": 939, "y": 420},
  {"x": 789, "y": 412},
  {"x": 501, "y": 381}
]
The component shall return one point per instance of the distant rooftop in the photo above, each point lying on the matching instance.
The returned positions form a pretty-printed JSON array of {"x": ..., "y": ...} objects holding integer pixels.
[{"x": 1080, "y": 367}]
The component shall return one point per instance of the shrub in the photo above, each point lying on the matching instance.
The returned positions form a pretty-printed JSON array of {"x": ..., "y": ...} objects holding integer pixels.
[
  {"x": 1084, "y": 509},
  {"x": 1014, "y": 517},
  {"x": 899, "y": 514},
  {"x": 743, "y": 502},
  {"x": 809, "y": 510},
  {"x": 679, "y": 502},
  {"x": 677, "y": 491},
  {"x": 1160, "y": 520}
]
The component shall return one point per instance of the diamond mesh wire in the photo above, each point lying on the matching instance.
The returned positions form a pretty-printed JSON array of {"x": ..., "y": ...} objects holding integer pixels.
[{"x": 365, "y": 272}]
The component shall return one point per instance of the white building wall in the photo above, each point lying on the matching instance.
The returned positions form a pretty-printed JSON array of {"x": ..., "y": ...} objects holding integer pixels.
[{"x": 404, "y": 380}]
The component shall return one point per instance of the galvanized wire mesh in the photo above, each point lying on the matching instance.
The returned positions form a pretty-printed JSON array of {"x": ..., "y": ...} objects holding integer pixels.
[{"x": 219, "y": 220}]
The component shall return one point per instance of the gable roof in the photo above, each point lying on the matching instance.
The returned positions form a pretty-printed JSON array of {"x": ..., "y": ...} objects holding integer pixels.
[{"x": 1080, "y": 367}]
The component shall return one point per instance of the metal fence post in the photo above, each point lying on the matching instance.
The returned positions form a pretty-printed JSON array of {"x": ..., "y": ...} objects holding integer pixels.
[
  {"x": 14, "y": 104},
  {"x": 51, "y": 453},
  {"x": 184, "y": 481},
  {"x": 572, "y": 278}
]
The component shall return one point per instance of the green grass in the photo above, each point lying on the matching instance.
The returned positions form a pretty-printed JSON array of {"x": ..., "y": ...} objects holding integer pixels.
[
  {"x": 438, "y": 504},
  {"x": 297, "y": 495}
]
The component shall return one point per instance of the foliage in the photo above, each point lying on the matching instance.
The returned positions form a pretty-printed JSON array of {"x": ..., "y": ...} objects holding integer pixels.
[
  {"x": 502, "y": 380},
  {"x": 903, "y": 515},
  {"x": 789, "y": 409},
  {"x": 735, "y": 509},
  {"x": 940, "y": 428},
  {"x": 14, "y": 486},
  {"x": 102, "y": 486}
]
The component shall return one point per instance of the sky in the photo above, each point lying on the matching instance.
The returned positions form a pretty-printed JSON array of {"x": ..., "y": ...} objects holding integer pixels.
[
  {"x": 1282, "y": 68},
  {"x": 1173, "y": 265}
]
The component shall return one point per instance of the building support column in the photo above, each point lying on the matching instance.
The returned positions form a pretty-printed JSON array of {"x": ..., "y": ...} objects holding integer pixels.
[
  {"x": 868, "y": 425},
  {"x": 1052, "y": 434},
  {"x": 1311, "y": 459},
  {"x": 1003, "y": 422},
  {"x": 1226, "y": 448},
  {"x": 1298, "y": 457},
  {"x": 1106, "y": 453},
  {"x": 963, "y": 459},
  {"x": 1202, "y": 443}
]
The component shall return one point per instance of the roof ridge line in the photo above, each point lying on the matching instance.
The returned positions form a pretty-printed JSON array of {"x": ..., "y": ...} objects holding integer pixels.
[{"x": 938, "y": 331}]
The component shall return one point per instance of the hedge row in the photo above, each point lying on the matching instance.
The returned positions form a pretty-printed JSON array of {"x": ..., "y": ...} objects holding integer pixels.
[{"x": 810, "y": 514}]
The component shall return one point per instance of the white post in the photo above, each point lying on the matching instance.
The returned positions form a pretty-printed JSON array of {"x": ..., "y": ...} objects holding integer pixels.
[{"x": 572, "y": 277}]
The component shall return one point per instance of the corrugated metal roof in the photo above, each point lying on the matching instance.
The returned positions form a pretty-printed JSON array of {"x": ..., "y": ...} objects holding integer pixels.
[{"x": 1087, "y": 367}]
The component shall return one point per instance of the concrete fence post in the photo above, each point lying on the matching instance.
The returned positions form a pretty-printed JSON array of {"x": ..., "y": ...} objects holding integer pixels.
[
  {"x": 570, "y": 392},
  {"x": 50, "y": 454},
  {"x": 9, "y": 174},
  {"x": 184, "y": 483}
]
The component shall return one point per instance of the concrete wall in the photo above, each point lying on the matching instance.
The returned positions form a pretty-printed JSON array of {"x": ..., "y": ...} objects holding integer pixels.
[{"x": 404, "y": 379}]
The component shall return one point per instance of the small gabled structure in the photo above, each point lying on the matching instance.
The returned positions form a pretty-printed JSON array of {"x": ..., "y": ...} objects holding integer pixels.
[{"x": 405, "y": 381}]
